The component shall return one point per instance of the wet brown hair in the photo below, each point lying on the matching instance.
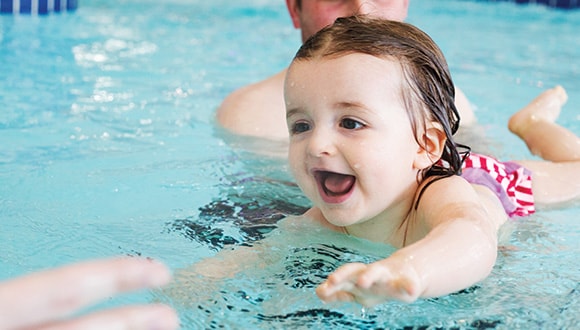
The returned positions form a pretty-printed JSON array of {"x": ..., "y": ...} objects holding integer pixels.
[{"x": 428, "y": 91}]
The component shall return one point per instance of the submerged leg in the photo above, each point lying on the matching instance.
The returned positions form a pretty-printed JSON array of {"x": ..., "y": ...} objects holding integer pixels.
[{"x": 535, "y": 125}]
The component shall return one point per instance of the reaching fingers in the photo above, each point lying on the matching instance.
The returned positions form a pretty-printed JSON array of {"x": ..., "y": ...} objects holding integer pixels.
[
  {"x": 53, "y": 294},
  {"x": 340, "y": 284},
  {"x": 346, "y": 273},
  {"x": 374, "y": 273},
  {"x": 381, "y": 280},
  {"x": 369, "y": 284}
]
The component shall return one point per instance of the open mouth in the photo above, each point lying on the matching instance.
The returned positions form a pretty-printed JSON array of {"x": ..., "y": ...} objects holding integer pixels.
[{"x": 334, "y": 187}]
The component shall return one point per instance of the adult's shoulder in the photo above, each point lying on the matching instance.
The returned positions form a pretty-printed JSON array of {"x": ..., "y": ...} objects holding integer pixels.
[{"x": 256, "y": 110}]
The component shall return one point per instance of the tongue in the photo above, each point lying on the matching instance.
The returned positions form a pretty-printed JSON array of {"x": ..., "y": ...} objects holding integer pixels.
[{"x": 338, "y": 184}]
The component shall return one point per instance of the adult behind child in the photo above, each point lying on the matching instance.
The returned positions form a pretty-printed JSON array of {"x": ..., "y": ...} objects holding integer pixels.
[{"x": 258, "y": 109}]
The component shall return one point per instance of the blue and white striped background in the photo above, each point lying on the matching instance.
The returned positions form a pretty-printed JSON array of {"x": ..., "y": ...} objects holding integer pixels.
[
  {"x": 562, "y": 4},
  {"x": 35, "y": 7}
]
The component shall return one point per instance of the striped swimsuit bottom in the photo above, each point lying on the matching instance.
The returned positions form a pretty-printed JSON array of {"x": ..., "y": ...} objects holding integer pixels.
[{"x": 511, "y": 182}]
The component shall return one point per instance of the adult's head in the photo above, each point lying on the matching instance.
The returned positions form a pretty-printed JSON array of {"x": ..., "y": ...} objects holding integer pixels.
[{"x": 312, "y": 15}]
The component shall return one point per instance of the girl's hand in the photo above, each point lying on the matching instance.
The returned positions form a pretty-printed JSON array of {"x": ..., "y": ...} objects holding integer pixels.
[{"x": 372, "y": 284}]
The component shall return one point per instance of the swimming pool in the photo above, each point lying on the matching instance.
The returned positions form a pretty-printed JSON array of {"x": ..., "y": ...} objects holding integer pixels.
[{"x": 109, "y": 147}]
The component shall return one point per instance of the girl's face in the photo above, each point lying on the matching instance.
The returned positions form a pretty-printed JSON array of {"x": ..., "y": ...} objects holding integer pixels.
[{"x": 352, "y": 149}]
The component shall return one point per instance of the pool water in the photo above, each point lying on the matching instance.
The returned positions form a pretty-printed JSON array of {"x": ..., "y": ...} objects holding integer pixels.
[{"x": 109, "y": 146}]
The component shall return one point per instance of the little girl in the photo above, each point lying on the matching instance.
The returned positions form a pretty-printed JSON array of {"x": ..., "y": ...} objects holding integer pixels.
[{"x": 371, "y": 118}]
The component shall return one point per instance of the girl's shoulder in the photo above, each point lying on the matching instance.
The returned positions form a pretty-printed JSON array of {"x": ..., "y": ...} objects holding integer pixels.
[
  {"x": 454, "y": 196},
  {"x": 436, "y": 194},
  {"x": 447, "y": 189}
]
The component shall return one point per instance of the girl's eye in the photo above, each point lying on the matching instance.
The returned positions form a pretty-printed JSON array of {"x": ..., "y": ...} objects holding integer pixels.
[
  {"x": 351, "y": 124},
  {"x": 299, "y": 127}
]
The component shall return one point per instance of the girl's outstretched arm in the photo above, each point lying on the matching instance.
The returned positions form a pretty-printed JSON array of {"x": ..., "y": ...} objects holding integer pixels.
[{"x": 459, "y": 249}]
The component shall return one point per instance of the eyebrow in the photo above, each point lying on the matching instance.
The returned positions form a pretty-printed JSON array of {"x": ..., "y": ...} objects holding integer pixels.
[
  {"x": 337, "y": 105},
  {"x": 293, "y": 111},
  {"x": 352, "y": 105}
]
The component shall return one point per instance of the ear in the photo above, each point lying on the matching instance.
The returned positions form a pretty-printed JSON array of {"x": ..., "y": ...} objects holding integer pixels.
[
  {"x": 431, "y": 148},
  {"x": 294, "y": 12}
]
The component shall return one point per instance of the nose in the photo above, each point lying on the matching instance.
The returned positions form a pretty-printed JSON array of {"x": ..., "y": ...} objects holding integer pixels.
[{"x": 320, "y": 143}]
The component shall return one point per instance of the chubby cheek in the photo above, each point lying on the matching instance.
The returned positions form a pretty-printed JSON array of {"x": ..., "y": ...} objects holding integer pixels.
[
  {"x": 380, "y": 166},
  {"x": 298, "y": 170},
  {"x": 296, "y": 163}
]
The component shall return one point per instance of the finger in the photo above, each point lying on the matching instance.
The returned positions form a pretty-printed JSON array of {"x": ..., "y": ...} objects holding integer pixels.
[
  {"x": 334, "y": 295},
  {"x": 342, "y": 280},
  {"x": 383, "y": 285},
  {"x": 374, "y": 274},
  {"x": 344, "y": 296},
  {"x": 401, "y": 285},
  {"x": 368, "y": 297},
  {"x": 134, "y": 317},
  {"x": 52, "y": 294},
  {"x": 328, "y": 291},
  {"x": 348, "y": 272}
]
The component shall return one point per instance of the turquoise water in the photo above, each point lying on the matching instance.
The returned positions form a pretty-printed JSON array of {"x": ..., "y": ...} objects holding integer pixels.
[{"x": 109, "y": 147}]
